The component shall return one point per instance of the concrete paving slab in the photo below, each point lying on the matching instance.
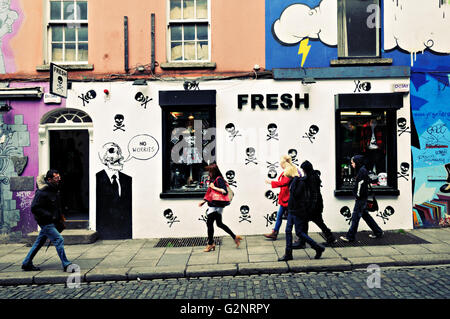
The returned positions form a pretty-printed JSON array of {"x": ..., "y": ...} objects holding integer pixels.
[
  {"x": 5, "y": 265},
  {"x": 150, "y": 253},
  {"x": 211, "y": 270},
  {"x": 412, "y": 249},
  {"x": 208, "y": 258},
  {"x": 142, "y": 263},
  {"x": 174, "y": 260},
  {"x": 107, "y": 274},
  {"x": 364, "y": 262},
  {"x": 332, "y": 264},
  {"x": 425, "y": 259},
  {"x": 12, "y": 258},
  {"x": 178, "y": 250},
  {"x": 262, "y": 258},
  {"x": 428, "y": 236},
  {"x": 233, "y": 256},
  {"x": 255, "y": 250},
  {"x": 262, "y": 268},
  {"x": 147, "y": 273},
  {"x": 381, "y": 250},
  {"x": 17, "y": 278},
  {"x": 438, "y": 248},
  {"x": 86, "y": 264},
  {"x": 352, "y": 252}
]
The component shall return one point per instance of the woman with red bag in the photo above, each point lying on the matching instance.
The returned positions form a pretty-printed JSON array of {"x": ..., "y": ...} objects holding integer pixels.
[
  {"x": 283, "y": 182},
  {"x": 217, "y": 199}
]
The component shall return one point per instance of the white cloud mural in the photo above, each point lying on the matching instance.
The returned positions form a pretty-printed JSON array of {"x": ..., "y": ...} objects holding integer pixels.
[
  {"x": 299, "y": 21},
  {"x": 415, "y": 25}
]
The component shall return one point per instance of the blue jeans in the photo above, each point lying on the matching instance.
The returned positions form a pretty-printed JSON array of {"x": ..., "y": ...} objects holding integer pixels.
[
  {"x": 360, "y": 211},
  {"x": 279, "y": 220},
  {"x": 47, "y": 231},
  {"x": 299, "y": 226}
]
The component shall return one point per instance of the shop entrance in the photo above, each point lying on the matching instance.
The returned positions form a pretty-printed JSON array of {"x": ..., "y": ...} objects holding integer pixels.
[{"x": 69, "y": 154}]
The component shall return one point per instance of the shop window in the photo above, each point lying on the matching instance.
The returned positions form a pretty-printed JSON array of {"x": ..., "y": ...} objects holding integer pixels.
[
  {"x": 366, "y": 125},
  {"x": 189, "y": 31},
  {"x": 188, "y": 122},
  {"x": 68, "y": 31},
  {"x": 358, "y": 28}
]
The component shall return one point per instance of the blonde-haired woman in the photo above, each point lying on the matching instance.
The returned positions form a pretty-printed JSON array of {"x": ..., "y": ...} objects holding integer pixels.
[{"x": 290, "y": 171}]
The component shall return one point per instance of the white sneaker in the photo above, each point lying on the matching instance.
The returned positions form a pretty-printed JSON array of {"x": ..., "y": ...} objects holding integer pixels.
[
  {"x": 345, "y": 239},
  {"x": 375, "y": 236}
]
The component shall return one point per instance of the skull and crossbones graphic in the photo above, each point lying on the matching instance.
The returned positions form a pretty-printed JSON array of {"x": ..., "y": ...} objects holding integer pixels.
[
  {"x": 270, "y": 218},
  {"x": 168, "y": 214},
  {"x": 365, "y": 86},
  {"x": 118, "y": 119},
  {"x": 401, "y": 122},
  {"x": 191, "y": 85},
  {"x": 404, "y": 170},
  {"x": 313, "y": 130},
  {"x": 230, "y": 175},
  {"x": 140, "y": 97},
  {"x": 203, "y": 217},
  {"x": 388, "y": 212},
  {"x": 251, "y": 158},
  {"x": 59, "y": 85},
  {"x": 272, "y": 128},
  {"x": 230, "y": 128},
  {"x": 272, "y": 196},
  {"x": 272, "y": 169},
  {"x": 90, "y": 95},
  {"x": 346, "y": 212},
  {"x": 245, "y": 214},
  {"x": 293, "y": 154}
]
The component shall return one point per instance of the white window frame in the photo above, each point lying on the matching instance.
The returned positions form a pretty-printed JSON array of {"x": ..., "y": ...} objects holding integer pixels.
[
  {"x": 182, "y": 22},
  {"x": 65, "y": 23}
]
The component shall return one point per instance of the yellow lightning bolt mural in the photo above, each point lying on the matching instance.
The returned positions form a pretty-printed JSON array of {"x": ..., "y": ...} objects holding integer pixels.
[{"x": 304, "y": 49}]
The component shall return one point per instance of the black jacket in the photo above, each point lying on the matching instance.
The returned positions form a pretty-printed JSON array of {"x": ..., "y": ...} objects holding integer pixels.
[
  {"x": 297, "y": 204},
  {"x": 360, "y": 189},
  {"x": 46, "y": 204},
  {"x": 313, "y": 183}
]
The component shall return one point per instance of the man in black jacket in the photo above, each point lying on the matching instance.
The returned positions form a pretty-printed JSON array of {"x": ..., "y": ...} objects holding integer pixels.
[
  {"x": 360, "y": 191},
  {"x": 298, "y": 215},
  {"x": 46, "y": 208}
]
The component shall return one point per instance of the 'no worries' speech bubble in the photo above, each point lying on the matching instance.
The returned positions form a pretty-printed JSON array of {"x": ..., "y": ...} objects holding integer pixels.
[{"x": 142, "y": 147}]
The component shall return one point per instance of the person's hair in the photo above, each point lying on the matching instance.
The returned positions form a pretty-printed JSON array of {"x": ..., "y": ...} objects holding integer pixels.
[
  {"x": 214, "y": 171},
  {"x": 50, "y": 174},
  {"x": 290, "y": 170}
]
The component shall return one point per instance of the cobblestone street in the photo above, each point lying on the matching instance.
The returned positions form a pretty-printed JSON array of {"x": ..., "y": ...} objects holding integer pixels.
[{"x": 395, "y": 283}]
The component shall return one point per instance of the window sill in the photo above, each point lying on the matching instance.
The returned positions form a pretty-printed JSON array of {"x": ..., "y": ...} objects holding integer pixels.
[
  {"x": 70, "y": 67},
  {"x": 377, "y": 192},
  {"x": 361, "y": 61},
  {"x": 186, "y": 195},
  {"x": 187, "y": 65}
]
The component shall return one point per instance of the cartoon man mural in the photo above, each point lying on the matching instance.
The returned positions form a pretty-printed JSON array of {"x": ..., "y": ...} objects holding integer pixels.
[
  {"x": 114, "y": 190},
  {"x": 7, "y": 18}
]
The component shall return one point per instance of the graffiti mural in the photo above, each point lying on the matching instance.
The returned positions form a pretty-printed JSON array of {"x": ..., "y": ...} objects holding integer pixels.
[
  {"x": 431, "y": 157},
  {"x": 9, "y": 17}
]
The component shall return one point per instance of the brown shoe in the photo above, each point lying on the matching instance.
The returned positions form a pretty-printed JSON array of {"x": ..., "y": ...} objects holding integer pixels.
[
  {"x": 208, "y": 248},
  {"x": 237, "y": 240},
  {"x": 273, "y": 235}
]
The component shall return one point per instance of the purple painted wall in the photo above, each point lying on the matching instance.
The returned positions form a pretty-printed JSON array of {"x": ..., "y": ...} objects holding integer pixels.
[{"x": 32, "y": 111}]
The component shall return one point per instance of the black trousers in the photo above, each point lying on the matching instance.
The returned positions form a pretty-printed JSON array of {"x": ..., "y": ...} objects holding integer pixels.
[
  {"x": 318, "y": 220},
  {"x": 210, "y": 223}
]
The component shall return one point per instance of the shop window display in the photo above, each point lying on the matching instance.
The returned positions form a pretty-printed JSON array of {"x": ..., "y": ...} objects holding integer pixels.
[{"x": 366, "y": 133}]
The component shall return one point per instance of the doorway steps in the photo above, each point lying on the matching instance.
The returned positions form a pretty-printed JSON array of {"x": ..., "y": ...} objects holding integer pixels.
[{"x": 76, "y": 233}]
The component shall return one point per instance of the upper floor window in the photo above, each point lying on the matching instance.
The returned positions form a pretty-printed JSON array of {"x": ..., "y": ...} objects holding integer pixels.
[
  {"x": 189, "y": 24},
  {"x": 68, "y": 31},
  {"x": 358, "y": 28}
]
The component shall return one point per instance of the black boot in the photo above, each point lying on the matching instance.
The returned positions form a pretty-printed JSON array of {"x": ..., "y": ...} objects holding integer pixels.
[
  {"x": 287, "y": 256},
  {"x": 319, "y": 250},
  {"x": 330, "y": 238}
]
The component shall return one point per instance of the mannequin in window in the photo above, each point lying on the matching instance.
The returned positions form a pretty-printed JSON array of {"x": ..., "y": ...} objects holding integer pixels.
[{"x": 373, "y": 146}]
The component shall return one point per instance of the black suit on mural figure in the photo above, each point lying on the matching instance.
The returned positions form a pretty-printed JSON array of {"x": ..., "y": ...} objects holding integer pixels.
[{"x": 114, "y": 196}]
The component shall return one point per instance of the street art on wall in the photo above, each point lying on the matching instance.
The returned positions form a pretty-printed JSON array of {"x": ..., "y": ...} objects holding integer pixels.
[
  {"x": 311, "y": 134},
  {"x": 170, "y": 216},
  {"x": 346, "y": 213},
  {"x": 245, "y": 214},
  {"x": 304, "y": 33},
  {"x": 430, "y": 94},
  {"x": 9, "y": 18}
]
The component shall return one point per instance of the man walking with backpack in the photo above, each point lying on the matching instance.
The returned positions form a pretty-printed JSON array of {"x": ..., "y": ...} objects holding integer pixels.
[{"x": 360, "y": 191}]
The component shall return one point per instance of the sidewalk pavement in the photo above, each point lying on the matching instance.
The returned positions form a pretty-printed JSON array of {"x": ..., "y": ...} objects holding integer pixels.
[{"x": 116, "y": 260}]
